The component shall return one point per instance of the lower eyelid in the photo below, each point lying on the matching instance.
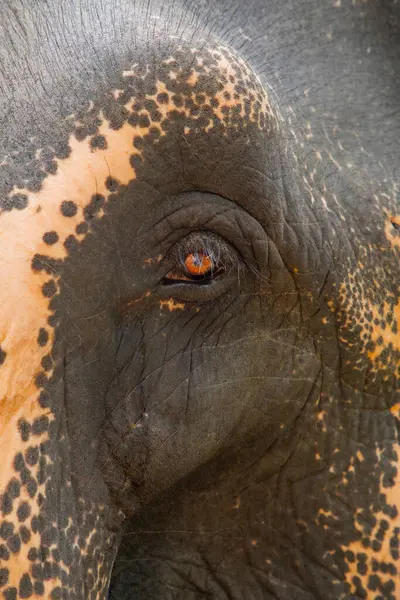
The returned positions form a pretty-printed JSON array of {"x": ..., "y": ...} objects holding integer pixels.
[{"x": 176, "y": 276}]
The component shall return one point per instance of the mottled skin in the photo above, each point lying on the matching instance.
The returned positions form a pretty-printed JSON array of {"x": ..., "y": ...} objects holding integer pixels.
[{"x": 234, "y": 437}]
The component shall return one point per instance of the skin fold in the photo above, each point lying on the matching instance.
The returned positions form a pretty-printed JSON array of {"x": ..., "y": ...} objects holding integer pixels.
[{"x": 200, "y": 300}]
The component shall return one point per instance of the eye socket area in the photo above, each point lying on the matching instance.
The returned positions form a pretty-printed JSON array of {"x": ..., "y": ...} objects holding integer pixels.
[{"x": 200, "y": 259}]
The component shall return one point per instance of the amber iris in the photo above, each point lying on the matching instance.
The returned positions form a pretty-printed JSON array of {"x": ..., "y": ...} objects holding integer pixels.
[{"x": 198, "y": 264}]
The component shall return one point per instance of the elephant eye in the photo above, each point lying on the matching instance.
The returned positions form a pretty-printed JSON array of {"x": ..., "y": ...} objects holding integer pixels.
[
  {"x": 196, "y": 266},
  {"x": 201, "y": 258}
]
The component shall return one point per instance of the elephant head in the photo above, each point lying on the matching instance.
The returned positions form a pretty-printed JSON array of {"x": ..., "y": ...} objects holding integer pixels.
[{"x": 200, "y": 303}]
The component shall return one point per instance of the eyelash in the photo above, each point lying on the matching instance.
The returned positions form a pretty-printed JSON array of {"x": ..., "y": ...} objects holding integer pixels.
[{"x": 202, "y": 246}]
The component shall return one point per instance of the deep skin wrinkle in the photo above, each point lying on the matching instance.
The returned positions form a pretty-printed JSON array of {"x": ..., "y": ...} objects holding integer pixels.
[{"x": 239, "y": 434}]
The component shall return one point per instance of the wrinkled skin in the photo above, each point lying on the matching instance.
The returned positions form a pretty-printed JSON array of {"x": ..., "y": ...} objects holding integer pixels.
[{"x": 229, "y": 437}]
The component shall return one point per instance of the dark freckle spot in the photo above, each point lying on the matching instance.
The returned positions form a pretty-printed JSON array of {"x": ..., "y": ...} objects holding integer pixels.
[
  {"x": 32, "y": 455},
  {"x": 3, "y": 577},
  {"x": 38, "y": 588},
  {"x": 18, "y": 201},
  {"x": 177, "y": 100},
  {"x": 14, "y": 488},
  {"x": 387, "y": 588},
  {"x": 25, "y": 475},
  {"x": 389, "y": 477},
  {"x": 144, "y": 121},
  {"x": 25, "y": 586},
  {"x": 37, "y": 572},
  {"x": 50, "y": 238},
  {"x": 23, "y": 512},
  {"x": 40, "y": 380},
  {"x": 56, "y": 594},
  {"x": 45, "y": 447},
  {"x": 376, "y": 546},
  {"x": 138, "y": 142},
  {"x": 25, "y": 534},
  {"x": 41, "y": 474},
  {"x": 24, "y": 429},
  {"x": 6, "y": 504},
  {"x": 98, "y": 142},
  {"x": 39, "y": 263},
  {"x": 156, "y": 116},
  {"x": 366, "y": 542},
  {"x": 133, "y": 120},
  {"x": 2, "y": 356},
  {"x": 112, "y": 184},
  {"x": 94, "y": 206},
  {"x": 44, "y": 399},
  {"x": 82, "y": 228},
  {"x": 63, "y": 150},
  {"x": 80, "y": 133},
  {"x": 35, "y": 524},
  {"x": 6, "y": 530},
  {"x": 19, "y": 462},
  {"x": 10, "y": 594},
  {"x": 46, "y": 362},
  {"x": 31, "y": 487},
  {"x": 163, "y": 98},
  {"x": 362, "y": 568},
  {"x": 40, "y": 425},
  {"x": 154, "y": 132},
  {"x": 135, "y": 161},
  {"x": 69, "y": 208},
  {"x": 51, "y": 167},
  {"x": 14, "y": 543},
  {"x": 32, "y": 554},
  {"x": 49, "y": 288},
  {"x": 43, "y": 337},
  {"x": 4, "y": 553},
  {"x": 53, "y": 320},
  {"x": 71, "y": 243},
  {"x": 373, "y": 582}
]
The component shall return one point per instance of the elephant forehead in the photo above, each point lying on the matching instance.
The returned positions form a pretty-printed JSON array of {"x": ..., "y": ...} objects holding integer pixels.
[{"x": 38, "y": 225}]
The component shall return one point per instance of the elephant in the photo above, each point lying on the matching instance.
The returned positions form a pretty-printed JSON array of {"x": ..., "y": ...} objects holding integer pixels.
[{"x": 200, "y": 303}]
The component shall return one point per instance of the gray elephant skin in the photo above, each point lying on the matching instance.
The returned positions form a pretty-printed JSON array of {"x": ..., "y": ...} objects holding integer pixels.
[{"x": 200, "y": 299}]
